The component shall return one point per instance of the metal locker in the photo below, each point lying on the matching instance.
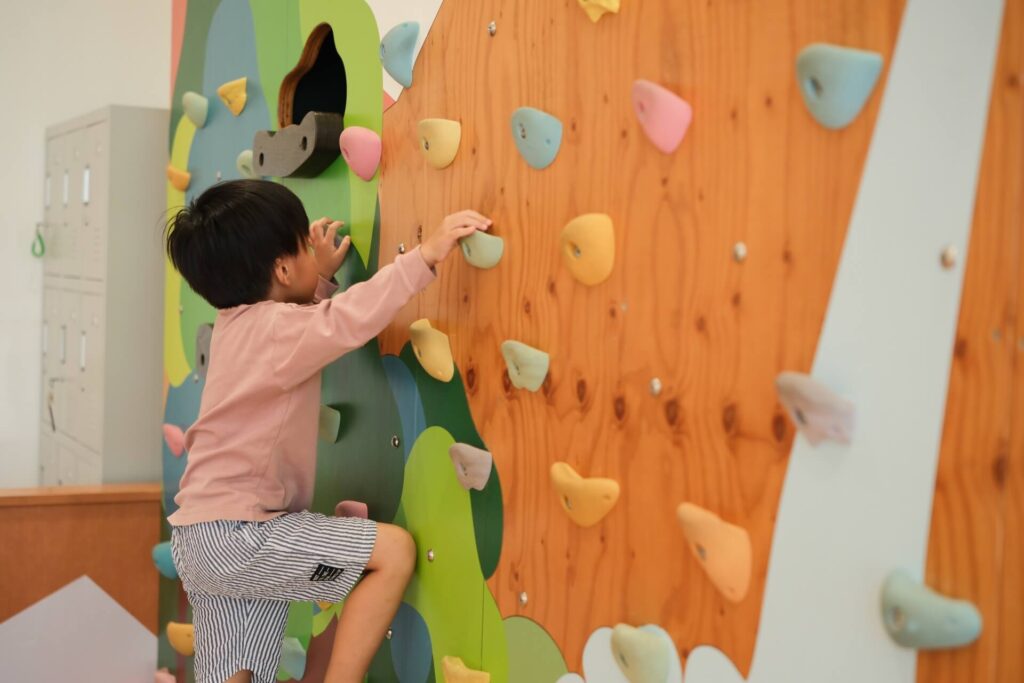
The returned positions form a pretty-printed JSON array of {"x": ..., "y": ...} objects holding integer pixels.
[
  {"x": 62, "y": 387},
  {"x": 71, "y": 236},
  {"x": 48, "y": 475},
  {"x": 87, "y": 418},
  {"x": 94, "y": 196},
  {"x": 53, "y": 201},
  {"x": 67, "y": 463}
]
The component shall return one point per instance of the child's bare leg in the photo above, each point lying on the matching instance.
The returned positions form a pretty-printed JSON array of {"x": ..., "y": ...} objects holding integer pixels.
[
  {"x": 243, "y": 676},
  {"x": 371, "y": 605}
]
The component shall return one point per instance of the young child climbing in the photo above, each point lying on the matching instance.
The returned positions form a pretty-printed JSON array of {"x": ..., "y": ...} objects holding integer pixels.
[{"x": 243, "y": 540}]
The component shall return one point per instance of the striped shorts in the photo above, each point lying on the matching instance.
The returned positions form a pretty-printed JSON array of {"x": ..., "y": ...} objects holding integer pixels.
[{"x": 240, "y": 577}]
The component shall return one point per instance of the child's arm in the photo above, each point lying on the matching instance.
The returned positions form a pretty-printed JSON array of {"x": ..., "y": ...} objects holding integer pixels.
[{"x": 306, "y": 338}]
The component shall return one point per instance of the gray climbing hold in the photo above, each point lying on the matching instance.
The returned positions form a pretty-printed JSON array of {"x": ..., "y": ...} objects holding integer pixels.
[
  {"x": 836, "y": 81},
  {"x": 527, "y": 366},
  {"x": 818, "y": 411},
  {"x": 538, "y": 136},
  {"x": 472, "y": 465},
  {"x": 204, "y": 338},
  {"x": 398, "y": 50},
  {"x": 917, "y": 617},
  {"x": 302, "y": 151},
  {"x": 482, "y": 250}
]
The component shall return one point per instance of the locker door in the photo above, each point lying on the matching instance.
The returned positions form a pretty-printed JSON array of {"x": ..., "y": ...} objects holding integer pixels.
[
  {"x": 63, "y": 386},
  {"x": 87, "y": 415},
  {"x": 67, "y": 463},
  {"x": 53, "y": 202},
  {"x": 71, "y": 237},
  {"x": 50, "y": 353},
  {"x": 95, "y": 185},
  {"x": 88, "y": 467},
  {"x": 47, "y": 459}
]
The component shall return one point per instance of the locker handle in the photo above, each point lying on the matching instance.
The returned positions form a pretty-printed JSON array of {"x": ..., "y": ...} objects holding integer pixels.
[
  {"x": 63, "y": 344},
  {"x": 64, "y": 195},
  {"x": 85, "y": 185},
  {"x": 81, "y": 351}
]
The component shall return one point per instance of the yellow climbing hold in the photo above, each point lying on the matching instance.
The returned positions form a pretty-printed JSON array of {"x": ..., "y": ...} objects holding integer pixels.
[
  {"x": 455, "y": 671},
  {"x": 722, "y": 549},
  {"x": 586, "y": 501},
  {"x": 233, "y": 95},
  {"x": 432, "y": 350},
  {"x": 642, "y": 655},
  {"x": 179, "y": 179},
  {"x": 324, "y": 606},
  {"x": 439, "y": 140},
  {"x": 588, "y": 247},
  {"x": 182, "y": 638},
  {"x": 596, "y": 9}
]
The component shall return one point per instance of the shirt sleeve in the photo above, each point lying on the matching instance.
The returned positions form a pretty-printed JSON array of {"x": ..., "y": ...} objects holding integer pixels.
[{"x": 306, "y": 338}]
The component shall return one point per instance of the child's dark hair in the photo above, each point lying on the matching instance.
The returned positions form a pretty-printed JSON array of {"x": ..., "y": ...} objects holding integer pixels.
[{"x": 226, "y": 241}]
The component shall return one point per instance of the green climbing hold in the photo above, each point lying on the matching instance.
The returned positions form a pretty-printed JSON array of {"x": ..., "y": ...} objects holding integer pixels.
[
  {"x": 642, "y": 655},
  {"x": 917, "y": 617},
  {"x": 527, "y": 366},
  {"x": 482, "y": 250},
  {"x": 196, "y": 108},
  {"x": 836, "y": 81},
  {"x": 329, "y": 423}
]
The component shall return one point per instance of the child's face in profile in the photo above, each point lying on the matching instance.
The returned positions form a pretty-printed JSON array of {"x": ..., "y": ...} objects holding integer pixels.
[{"x": 307, "y": 273}]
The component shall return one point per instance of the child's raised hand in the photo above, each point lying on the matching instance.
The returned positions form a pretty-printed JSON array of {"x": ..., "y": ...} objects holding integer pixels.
[
  {"x": 321, "y": 238},
  {"x": 447, "y": 235}
]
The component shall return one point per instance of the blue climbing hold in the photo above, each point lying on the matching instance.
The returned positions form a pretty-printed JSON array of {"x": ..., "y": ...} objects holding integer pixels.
[
  {"x": 397, "y": 51},
  {"x": 537, "y": 135},
  {"x": 917, "y": 617},
  {"x": 164, "y": 561},
  {"x": 836, "y": 81}
]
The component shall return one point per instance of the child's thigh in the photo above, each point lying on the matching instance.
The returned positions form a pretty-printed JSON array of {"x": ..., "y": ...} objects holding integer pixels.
[{"x": 235, "y": 634}]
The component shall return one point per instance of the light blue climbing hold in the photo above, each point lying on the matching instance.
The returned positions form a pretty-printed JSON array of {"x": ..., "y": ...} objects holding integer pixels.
[
  {"x": 917, "y": 617},
  {"x": 410, "y": 646},
  {"x": 196, "y": 108},
  {"x": 836, "y": 81},
  {"x": 293, "y": 658},
  {"x": 397, "y": 51},
  {"x": 164, "y": 561},
  {"x": 537, "y": 135}
]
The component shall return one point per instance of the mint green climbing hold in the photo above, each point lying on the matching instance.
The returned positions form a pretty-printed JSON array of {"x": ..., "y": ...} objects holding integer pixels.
[
  {"x": 196, "y": 108},
  {"x": 836, "y": 81},
  {"x": 527, "y": 366},
  {"x": 293, "y": 658},
  {"x": 397, "y": 51},
  {"x": 329, "y": 423},
  {"x": 538, "y": 136},
  {"x": 917, "y": 617},
  {"x": 482, "y": 250},
  {"x": 164, "y": 561},
  {"x": 643, "y": 656},
  {"x": 532, "y": 654}
]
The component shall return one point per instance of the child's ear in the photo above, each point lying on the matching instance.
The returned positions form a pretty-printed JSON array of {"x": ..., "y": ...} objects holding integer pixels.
[{"x": 282, "y": 273}]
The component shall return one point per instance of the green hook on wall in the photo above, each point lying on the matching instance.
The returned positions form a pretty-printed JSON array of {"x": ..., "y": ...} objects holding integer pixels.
[{"x": 38, "y": 244}]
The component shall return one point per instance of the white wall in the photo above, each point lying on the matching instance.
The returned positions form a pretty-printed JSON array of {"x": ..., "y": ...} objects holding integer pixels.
[{"x": 58, "y": 59}]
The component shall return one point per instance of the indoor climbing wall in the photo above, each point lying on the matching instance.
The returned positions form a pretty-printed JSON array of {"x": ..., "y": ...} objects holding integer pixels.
[{"x": 647, "y": 429}]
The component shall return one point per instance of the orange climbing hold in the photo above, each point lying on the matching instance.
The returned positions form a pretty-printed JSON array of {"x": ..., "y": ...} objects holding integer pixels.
[
  {"x": 722, "y": 549},
  {"x": 588, "y": 247},
  {"x": 182, "y": 638},
  {"x": 180, "y": 180},
  {"x": 586, "y": 501}
]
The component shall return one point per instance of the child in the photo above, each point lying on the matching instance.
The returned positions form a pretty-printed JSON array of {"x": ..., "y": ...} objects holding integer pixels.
[{"x": 243, "y": 540}]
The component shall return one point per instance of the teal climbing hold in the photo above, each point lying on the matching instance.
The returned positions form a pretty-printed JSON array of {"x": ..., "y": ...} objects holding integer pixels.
[
  {"x": 482, "y": 250},
  {"x": 836, "y": 81},
  {"x": 527, "y": 366},
  {"x": 293, "y": 658},
  {"x": 397, "y": 51},
  {"x": 537, "y": 135},
  {"x": 164, "y": 561},
  {"x": 917, "y": 617},
  {"x": 196, "y": 108}
]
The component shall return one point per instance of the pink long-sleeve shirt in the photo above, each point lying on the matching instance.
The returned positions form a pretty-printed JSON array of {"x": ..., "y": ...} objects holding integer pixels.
[{"x": 252, "y": 450}]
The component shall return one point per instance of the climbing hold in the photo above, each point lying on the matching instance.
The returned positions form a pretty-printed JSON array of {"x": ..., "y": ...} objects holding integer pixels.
[
  {"x": 537, "y": 135},
  {"x": 817, "y": 410},
  {"x": 182, "y": 638},
  {"x": 397, "y": 51},
  {"x": 361, "y": 149},
  {"x": 586, "y": 501},
  {"x": 164, "y": 676},
  {"x": 642, "y": 655},
  {"x": 439, "y": 140},
  {"x": 664, "y": 115},
  {"x": 917, "y": 617},
  {"x": 482, "y": 250},
  {"x": 196, "y": 108},
  {"x": 301, "y": 151},
  {"x": 164, "y": 560},
  {"x": 472, "y": 465},
  {"x": 836, "y": 81},
  {"x": 455, "y": 671},
  {"x": 244, "y": 164},
  {"x": 293, "y": 658},
  {"x": 948, "y": 257},
  {"x": 324, "y": 605},
  {"x": 352, "y": 508},
  {"x": 722, "y": 549},
  {"x": 588, "y": 247},
  {"x": 204, "y": 338},
  {"x": 527, "y": 366},
  {"x": 232, "y": 94},
  {"x": 596, "y": 9},
  {"x": 179, "y": 179},
  {"x": 329, "y": 423},
  {"x": 432, "y": 350},
  {"x": 739, "y": 252},
  {"x": 175, "y": 439}
]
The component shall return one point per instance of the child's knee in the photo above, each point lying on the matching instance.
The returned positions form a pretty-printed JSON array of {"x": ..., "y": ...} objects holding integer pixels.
[{"x": 394, "y": 549}]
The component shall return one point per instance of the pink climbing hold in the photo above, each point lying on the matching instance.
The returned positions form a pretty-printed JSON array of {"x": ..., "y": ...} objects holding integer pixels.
[
  {"x": 361, "y": 149},
  {"x": 164, "y": 676},
  {"x": 351, "y": 508},
  {"x": 663, "y": 115},
  {"x": 175, "y": 439}
]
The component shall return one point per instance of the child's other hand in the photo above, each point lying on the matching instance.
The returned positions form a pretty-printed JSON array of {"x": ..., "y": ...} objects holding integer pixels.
[
  {"x": 321, "y": 238},
  {"x": 447, "y": 235}
]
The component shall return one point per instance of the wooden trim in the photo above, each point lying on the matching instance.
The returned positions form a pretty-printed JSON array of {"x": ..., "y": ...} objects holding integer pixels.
[
  {"x": 310, "y": 53},
  {"x": 80, "y": 495}
]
